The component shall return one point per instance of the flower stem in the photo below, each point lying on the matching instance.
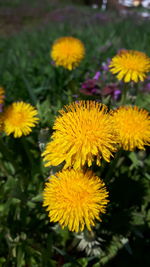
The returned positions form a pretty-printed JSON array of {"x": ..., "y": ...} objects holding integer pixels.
[{"x": 124, "y": 95}]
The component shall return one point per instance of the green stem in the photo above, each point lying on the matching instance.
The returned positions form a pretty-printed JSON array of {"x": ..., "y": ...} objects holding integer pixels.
[{"x": 124, "y": 95}]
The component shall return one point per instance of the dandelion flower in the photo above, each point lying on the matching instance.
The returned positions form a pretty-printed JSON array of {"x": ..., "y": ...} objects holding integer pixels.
[
  {"x": 130, "y": 65},
  {"x": 67, "y": 52},
  {"x": 75, "y": 199},
  {"x": 83, "y": 133},
  {"x": 19, "y": 118},
  {"x": 132, "y": 126}
]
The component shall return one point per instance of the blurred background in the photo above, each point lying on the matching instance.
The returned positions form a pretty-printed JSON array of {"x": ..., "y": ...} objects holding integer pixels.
[{"x": 15, "y": 15}]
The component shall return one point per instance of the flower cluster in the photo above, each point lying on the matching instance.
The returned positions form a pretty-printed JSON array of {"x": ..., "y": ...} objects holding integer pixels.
[
  {"x": 100, "y": 85},
  {"x": 82, "y": 134},
  {"x": 86, "y": 132}
]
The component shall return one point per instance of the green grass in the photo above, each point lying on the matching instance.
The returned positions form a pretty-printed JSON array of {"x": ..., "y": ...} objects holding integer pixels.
[{"x": 25, "y": 58}]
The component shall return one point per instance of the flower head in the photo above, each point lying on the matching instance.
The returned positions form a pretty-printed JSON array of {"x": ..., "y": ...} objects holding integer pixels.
[
  {"x": 130, "y": 65},
  {"x": 132, "y": 126},
  {"x": 67, "y": 52},
  {"x": 83, "y": 132},
  {"x": 19, "y": 118},
  {"x": 75, "y": 199}
]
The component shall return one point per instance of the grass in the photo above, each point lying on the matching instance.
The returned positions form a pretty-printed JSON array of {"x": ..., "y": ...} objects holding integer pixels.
[{"x": 25, "y": 60}]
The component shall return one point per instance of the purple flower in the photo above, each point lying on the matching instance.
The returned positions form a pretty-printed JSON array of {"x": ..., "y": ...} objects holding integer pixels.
[
  {"x": 97, "y": 75},
  {"x": 90, "y": 87},
  {"x": 105, "y": 65},
  {"x": 117, "y": 94},
  {"x": 113, "y": 90}
]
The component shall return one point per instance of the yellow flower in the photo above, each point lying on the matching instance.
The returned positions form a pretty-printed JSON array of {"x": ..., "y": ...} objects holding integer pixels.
[
  {"x": 75, "y": 199},
  {"x": 83, "y": 133},
  {"x": 18, "y": 118},
  {"x": 2, "y": 95},
  {"x": 132, "y": 126},
  {"x": 67, "y": 52},
  {"x": 130, "y": 65}
]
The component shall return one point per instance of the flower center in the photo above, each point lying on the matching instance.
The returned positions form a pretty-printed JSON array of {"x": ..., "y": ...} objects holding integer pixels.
[
  {"x": 18, "y": 118},
  {"x": 132, "y": 64},
  {"x": 76, "y": 195}
]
